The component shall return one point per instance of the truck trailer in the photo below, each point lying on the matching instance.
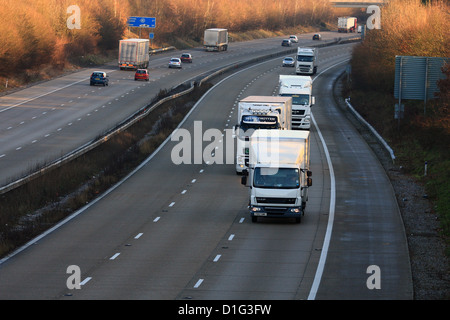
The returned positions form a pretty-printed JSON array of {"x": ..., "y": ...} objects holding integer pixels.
[
  {"x": 259, "y": 112},
  {"x": 306, "y": 60},
  {"x": 215, "y": 39},
  {"x": 278, "y": 174},
  {"x": 300, "y": 89},
  {"x": 347, "y": 24},
  {"x": 133, "y": 54}
]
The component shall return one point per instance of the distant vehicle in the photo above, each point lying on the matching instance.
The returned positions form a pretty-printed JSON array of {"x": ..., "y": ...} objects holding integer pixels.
[
  {"x": 300, "y": 89},
  {"x": 288, "y": 62},
  {"x": 317, "y": 36},
  {"x": 215, "y": 39},
  {"x": 133, "y": 54},
  {"x": 307, "y": 60},
  {"x": 293, "y": 38},
  {"x": 186, "y": 57},
  {"x": 175, "y": 63},
  {"x": 141, "y": 74},
  {"x": 286, "y": 43},
  {"x": 99, "y": 77},
  {"x": 347, "y": 24}
]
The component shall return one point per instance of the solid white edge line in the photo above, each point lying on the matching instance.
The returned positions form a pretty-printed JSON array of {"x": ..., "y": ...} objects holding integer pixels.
[{"x": 326, "y": 243}]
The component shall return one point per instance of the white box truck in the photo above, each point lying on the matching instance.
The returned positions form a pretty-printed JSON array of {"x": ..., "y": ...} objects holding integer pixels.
[
  {"x": 278, "y": 174},
  {"x": 215, "y": 39},
  {"x": 133, "y": 54},
  {"x": 347, "y": 24},
  {"x": 300, "y": 89},
  {"x": 306, "y": 62},
  {"x": 259, "y": 112}
]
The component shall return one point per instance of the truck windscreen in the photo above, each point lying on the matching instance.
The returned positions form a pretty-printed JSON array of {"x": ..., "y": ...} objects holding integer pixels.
[
  {"x": 298, "y": 99},
  {"x": 276, "y": 178},
  {"x": 305, "y": 58}
]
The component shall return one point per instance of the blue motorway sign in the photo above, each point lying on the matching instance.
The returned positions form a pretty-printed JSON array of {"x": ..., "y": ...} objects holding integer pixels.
[{"x": 141, "y": 22}]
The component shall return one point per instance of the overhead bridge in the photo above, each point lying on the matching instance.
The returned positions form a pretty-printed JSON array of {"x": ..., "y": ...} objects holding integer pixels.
[{"x": 356, "y": 3}]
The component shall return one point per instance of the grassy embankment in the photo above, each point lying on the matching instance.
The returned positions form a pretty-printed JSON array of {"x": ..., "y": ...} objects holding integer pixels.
[{"x": 408, "y": 28}]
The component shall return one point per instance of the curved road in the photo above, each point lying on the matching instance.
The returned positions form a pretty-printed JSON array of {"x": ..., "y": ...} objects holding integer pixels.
[
  {"x": 183, "y": 231},
  {"x": 46, "y": 121}
]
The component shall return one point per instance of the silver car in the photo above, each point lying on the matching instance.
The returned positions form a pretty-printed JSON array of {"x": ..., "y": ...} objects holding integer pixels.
[
  {"x": 288, "y": 62},
  {"x": 175, "y": 63}
]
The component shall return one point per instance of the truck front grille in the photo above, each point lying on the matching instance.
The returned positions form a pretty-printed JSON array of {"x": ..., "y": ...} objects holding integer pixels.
[{"x": 298, "y": 112}]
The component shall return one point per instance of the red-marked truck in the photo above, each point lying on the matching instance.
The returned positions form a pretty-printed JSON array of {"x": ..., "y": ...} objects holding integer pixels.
[{"x": 347, "y": 24}]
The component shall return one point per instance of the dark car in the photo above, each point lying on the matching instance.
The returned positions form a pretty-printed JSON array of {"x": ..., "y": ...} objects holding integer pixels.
[
  {"x": 186, "y": 57},
  {"x": 317, "y": 36},
  {"x": 141, "y": 74},
  {"x": 286, "y": 43},
  {"x": 99, "y": 77}
]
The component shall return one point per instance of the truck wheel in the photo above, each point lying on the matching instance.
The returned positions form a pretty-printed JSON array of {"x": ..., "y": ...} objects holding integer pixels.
[
  {"x": 298, "y": 220},
  {"x": 254, "y": 219}
]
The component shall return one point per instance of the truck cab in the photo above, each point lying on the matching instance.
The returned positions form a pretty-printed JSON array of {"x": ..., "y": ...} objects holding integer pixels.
[
  {"x": 306, "y": 61},
  {"x": 300, "y": 89},
  {"x": 278, "y": 175}
]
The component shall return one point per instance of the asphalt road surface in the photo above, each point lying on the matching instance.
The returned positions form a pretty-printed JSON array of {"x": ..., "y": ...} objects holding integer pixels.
[{"x": 184, "y": 232}]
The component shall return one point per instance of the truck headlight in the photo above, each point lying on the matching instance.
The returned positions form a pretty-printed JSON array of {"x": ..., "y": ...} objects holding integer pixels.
[
  {"x": 255, "y": 209},
  {"x": 295, "y": 210}
]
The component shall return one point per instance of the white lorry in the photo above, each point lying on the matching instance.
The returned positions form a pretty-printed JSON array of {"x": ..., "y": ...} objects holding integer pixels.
[
  {"x": 300, "y": 89},
  {"x": 306, "y": 60},
  {"x": 347, "y": 24},
  {"x": 278, "y": 174},
  {"x": 259, "y": 112},
  {"x": 215, "y": 39},
  {"x": 133, "y": 54}
]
